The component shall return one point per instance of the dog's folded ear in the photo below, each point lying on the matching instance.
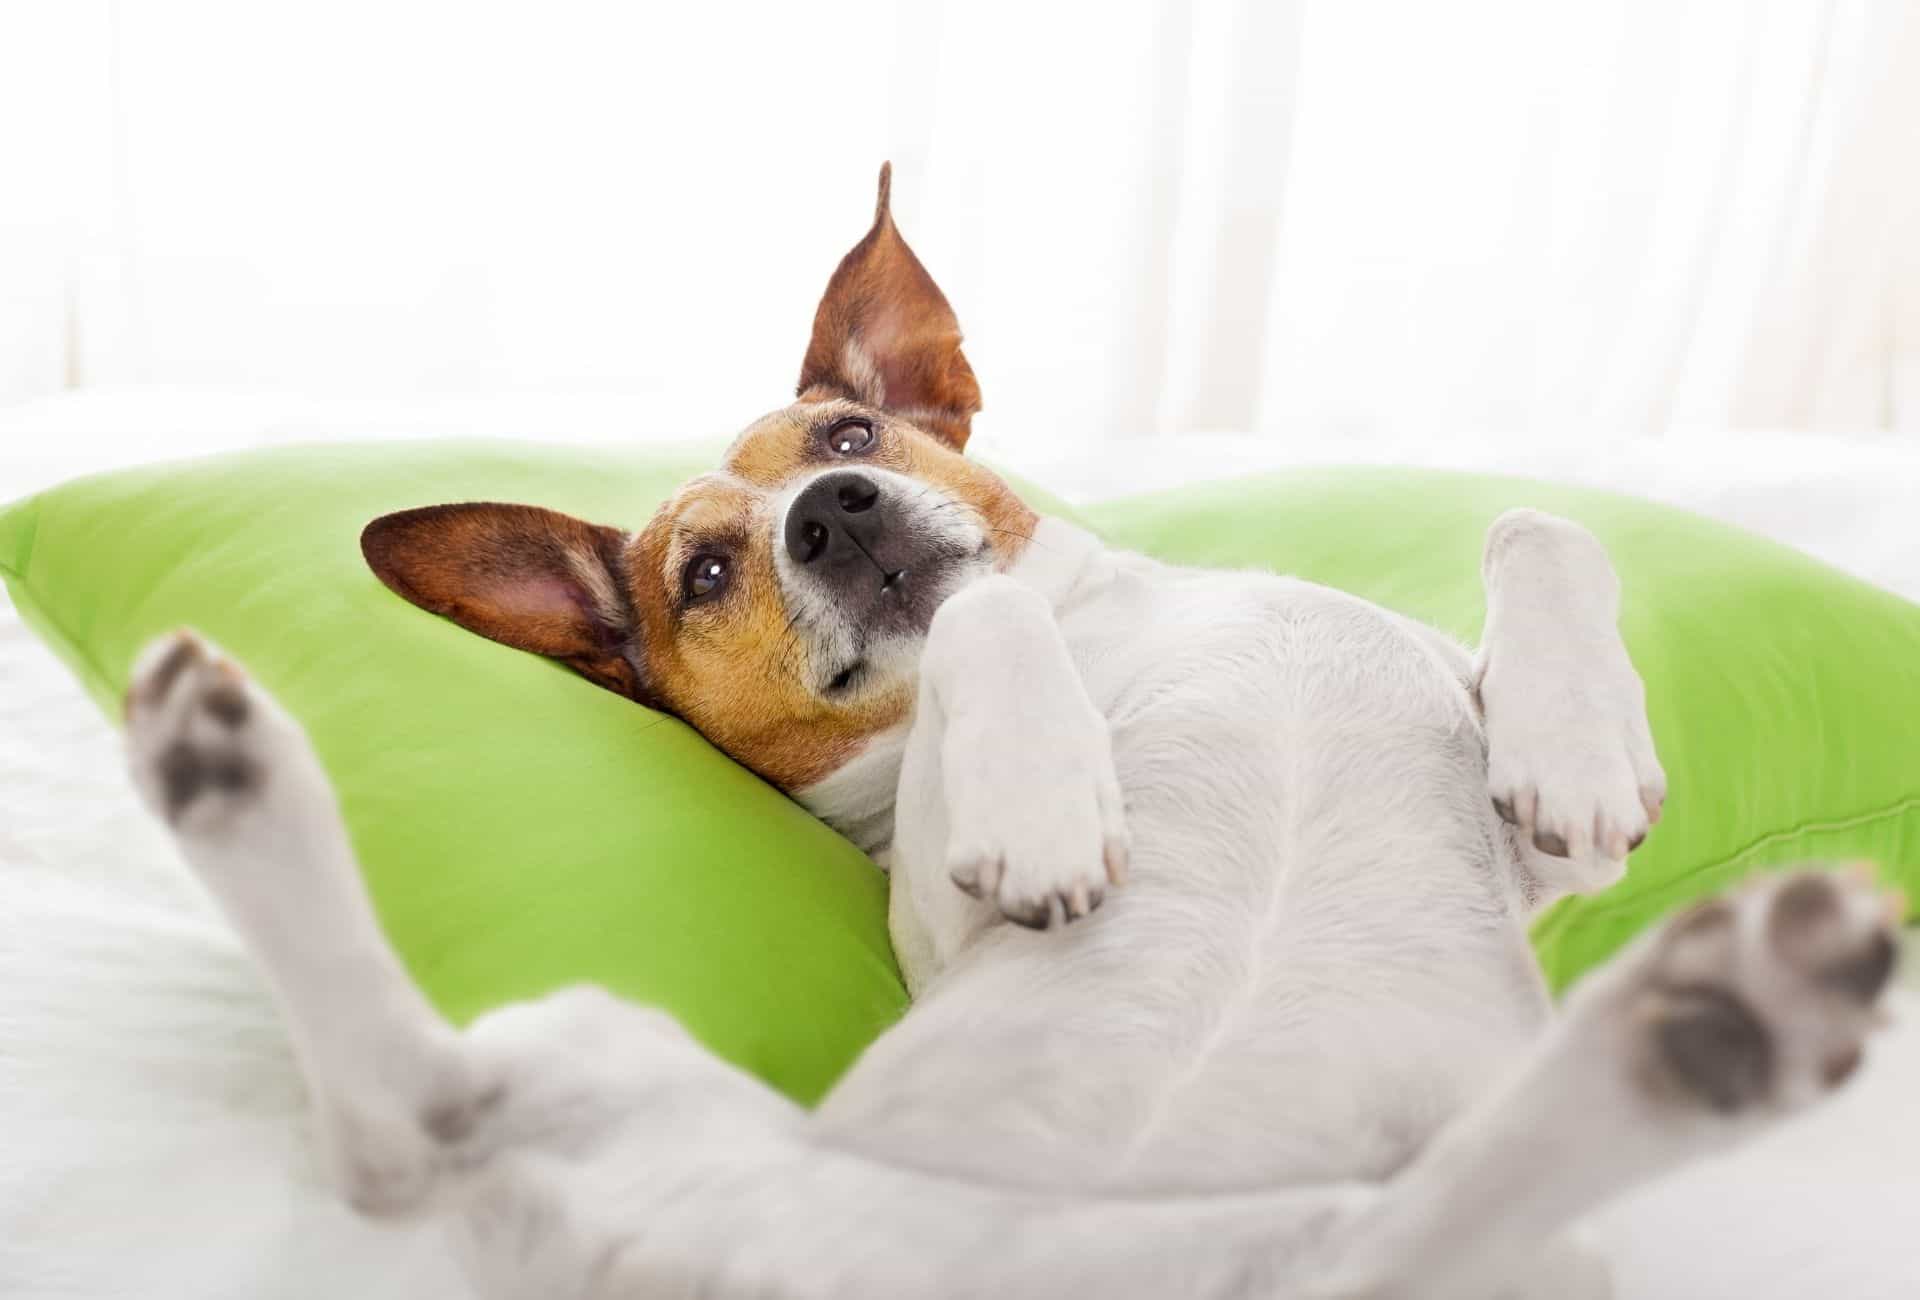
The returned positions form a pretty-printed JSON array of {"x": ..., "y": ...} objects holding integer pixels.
[
  {"x": 884, "y": 335},
  {"x": 530, "y": 578}
]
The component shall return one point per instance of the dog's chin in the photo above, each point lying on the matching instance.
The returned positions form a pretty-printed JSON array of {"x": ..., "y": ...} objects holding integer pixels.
[
  {"x": 875, "y": 668},
  {"x": 879, "y": 646}
]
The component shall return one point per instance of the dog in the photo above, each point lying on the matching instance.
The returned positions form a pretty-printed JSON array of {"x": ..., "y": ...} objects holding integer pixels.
[{"x": 1212, "y": 890}]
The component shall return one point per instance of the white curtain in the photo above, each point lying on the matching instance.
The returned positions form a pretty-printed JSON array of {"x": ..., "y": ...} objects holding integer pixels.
[{"x": 1325, "y": 219}]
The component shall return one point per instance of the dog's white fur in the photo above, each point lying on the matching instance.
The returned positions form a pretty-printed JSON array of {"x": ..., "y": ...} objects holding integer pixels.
[{"x": 1304, "y": 1050}]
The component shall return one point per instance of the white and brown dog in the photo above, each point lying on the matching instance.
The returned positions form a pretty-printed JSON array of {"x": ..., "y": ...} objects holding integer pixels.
[{"x": 1265, "y": 1021}]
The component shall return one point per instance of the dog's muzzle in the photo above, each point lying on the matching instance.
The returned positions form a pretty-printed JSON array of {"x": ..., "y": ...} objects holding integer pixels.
[{"x": 855, "y": 537}]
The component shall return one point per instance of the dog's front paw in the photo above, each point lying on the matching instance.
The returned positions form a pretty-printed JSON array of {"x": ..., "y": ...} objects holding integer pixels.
[
  {"x": 1037, "y": 824},
  {"x": 1570, "y": 759}
]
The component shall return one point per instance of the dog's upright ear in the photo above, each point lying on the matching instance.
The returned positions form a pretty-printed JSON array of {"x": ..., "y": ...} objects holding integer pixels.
[
  {"x": 530, "y": 578},
  {"x": 884, "y": 335}
]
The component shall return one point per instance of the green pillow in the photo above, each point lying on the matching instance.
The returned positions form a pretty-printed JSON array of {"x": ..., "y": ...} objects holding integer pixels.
[
  {"x": 522, "y": 828},
  {"x": 1784, "y": 695}
]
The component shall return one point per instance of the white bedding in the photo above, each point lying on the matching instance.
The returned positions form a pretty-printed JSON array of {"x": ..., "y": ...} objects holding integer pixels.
[{"x": 149, "y": 1114}]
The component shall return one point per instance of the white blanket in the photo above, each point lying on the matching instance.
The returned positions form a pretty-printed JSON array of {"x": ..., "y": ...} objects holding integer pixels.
[{"x": 151, "y": 1135}]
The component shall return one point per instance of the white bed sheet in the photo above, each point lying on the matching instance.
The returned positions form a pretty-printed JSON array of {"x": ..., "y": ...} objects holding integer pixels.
[{"x": 150, "y": 1114}]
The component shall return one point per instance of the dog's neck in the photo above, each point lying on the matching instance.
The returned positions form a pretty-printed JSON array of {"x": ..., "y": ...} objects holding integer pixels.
[{"x": 857, "y": 797}]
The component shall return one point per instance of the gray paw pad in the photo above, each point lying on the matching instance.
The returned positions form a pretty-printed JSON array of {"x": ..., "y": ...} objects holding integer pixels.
[
  {"x": 187, "y": 772},
  {"x": 1716, "y": 1048}
]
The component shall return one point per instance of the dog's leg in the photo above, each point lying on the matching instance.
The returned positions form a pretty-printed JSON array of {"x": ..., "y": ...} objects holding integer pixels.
[
  {"x": 1570, "y": 757},
  {"x": 409, "y": 1111},
  {"x": 256, "y": 819},
  {"x": 1731, "y": 1016},
  {"x": 1031, "y": 805}
]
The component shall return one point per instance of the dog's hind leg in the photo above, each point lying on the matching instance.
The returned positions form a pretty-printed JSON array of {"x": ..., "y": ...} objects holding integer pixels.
[
  {"x": 256, "y": 819},
  {"x": 1729, "y": 1017},
  {"x": 1570, "y": 758},
  {"x": 411, "y": 1113}
]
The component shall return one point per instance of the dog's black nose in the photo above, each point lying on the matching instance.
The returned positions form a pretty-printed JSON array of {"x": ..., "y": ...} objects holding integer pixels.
[
  {"x": 834, "y": 512},
  {"x": 856, "y": 495}
]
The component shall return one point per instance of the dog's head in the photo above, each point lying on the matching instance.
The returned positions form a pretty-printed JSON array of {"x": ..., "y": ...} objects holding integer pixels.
[{"x": 779, "y": 603}]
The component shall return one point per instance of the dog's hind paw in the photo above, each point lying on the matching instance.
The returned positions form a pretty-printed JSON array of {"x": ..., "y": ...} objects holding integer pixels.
[
  {"x": 205, "y": 743},
  {"x": 1761, "y": 1001}
]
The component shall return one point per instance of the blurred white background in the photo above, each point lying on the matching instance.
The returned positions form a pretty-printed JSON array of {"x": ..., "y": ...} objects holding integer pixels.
[
  {"x": 1665, "y": 246},
  {"x": 1318, "y": 219}
]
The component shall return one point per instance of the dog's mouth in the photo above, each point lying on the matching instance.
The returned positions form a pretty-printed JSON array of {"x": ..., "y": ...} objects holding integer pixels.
[
  {"x": 879, "y": 642},
  {"x": 871, "y": 637},
  {"x": 844, "y": 680}
]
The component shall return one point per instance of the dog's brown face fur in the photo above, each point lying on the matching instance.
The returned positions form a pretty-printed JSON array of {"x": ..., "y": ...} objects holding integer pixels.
[{"x": 777, "y": 604}]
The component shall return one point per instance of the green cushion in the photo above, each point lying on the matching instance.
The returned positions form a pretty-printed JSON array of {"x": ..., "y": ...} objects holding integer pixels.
[
  {"x": 1784, "y": 695},
  {"x": 522, "y": 829}
]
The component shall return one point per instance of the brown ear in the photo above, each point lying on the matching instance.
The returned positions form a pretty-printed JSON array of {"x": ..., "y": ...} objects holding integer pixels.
[
  {"x": 884, "y": 335},
  {"x": 530, "y": 578}
]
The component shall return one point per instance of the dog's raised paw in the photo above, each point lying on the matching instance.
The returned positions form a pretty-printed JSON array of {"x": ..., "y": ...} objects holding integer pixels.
[
  {"x": 1043, "y": 890},
  {"x": 1045, "y": 846},
  {"x": 1570, "y": 761},
  {"x": 1762, "y": 1000},
  {"x": 201, "y": 737}
]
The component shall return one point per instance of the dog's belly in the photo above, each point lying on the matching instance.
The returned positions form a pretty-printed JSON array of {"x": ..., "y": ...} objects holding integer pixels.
[{"x": 1316, "y": 962}]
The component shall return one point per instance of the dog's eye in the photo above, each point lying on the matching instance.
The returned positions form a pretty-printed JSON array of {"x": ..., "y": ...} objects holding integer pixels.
[
  {"x": 850, "y": 437},
  {"x": 705, "y": 578}
]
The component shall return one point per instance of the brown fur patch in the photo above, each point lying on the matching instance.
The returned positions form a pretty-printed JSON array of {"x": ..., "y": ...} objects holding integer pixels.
[
  {"x": 519, "y": 575},
  {"x": 778, "y": 447},
  {"x": 885, "y": 335}
]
